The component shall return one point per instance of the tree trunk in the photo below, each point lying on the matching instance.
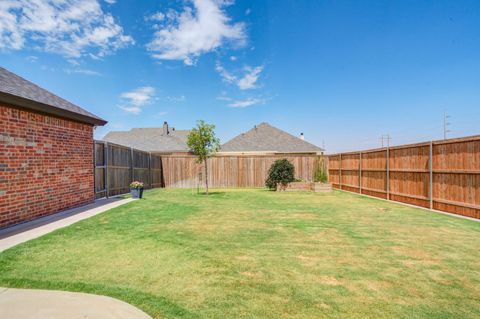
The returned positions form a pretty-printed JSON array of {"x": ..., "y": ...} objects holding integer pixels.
[{"x": 206, "y": 177}]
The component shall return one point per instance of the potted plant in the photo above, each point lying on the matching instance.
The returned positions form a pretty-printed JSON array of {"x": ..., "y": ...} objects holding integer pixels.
[
  {"x": 136, "y": 189},
  {"x": 320, "y": 177}
]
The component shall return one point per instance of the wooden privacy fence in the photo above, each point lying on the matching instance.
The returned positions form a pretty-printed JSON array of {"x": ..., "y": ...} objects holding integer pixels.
[
  {"x": 116, "y": 166},
  {"x": 231, "y": 171},
  {"x": 442, "y": 175}
]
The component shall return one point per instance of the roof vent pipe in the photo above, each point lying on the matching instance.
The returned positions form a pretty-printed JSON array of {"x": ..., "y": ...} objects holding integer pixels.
[
  {"x": 165, "y": 128},
  {"x": 302, "y": 137}
]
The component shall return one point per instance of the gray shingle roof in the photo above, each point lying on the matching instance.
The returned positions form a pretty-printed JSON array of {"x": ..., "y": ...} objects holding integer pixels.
[
  {"x": 266, "y": 138},
  {"x": 17, "y": 91},
  {"x": 151, "y": 139}
]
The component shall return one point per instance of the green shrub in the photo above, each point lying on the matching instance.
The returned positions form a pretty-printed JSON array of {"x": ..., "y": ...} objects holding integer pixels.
[
  {"x": 281, "y": 172},
  {"x": 320, "y": 174}
]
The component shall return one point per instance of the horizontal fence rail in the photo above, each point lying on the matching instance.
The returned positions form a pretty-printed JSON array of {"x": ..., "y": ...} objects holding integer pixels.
[
  {"x": 442, "y": 175},
  {"x": 231, "y": 171},
  {"x": 116, "y": 166}
]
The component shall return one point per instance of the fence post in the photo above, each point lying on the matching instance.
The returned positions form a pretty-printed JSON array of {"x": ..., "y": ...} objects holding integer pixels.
[
  {"x": 105, "y": 167},
  {"x": 340, "y": 172},
  {"x": 430, "y": 166},
  {"x": 388, "y": 172},
  {"x": 150, "y": 169},
  {"x": 131, "y": 164},
  {"x": 360, "y": 173}
]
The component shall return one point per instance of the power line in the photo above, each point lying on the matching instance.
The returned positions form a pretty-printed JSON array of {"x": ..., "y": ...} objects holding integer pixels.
[{"x": 385, "y": 137}]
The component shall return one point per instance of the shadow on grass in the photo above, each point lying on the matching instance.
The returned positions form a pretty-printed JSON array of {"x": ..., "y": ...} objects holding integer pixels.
[{"x": 213, "y": 194}]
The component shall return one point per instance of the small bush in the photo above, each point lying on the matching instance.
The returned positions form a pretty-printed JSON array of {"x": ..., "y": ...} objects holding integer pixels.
[
  {"x": 281, "y": 172},
  {"x": 320, "y": 174}
]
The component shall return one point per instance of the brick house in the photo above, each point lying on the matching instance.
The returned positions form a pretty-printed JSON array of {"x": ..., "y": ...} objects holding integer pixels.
[{"x": 46, "y": 152}]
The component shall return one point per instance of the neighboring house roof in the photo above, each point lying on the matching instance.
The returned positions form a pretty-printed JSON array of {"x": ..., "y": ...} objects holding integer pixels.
[
  {"x": 17, "y": 91},
  {"x": 266, "y": 138},
  {"x": 155, "y": 139}
]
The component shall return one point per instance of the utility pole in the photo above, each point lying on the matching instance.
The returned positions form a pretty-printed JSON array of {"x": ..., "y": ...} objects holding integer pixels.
[
  {"x": 384, "y": 138},
  {"x": 445, "y": 125}
]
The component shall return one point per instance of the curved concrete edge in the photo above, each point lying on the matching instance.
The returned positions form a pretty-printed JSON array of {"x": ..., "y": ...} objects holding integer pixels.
[{"x": 52, "y": 304}]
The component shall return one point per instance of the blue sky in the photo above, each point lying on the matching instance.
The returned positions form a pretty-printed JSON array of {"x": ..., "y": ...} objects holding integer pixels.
[{"x": 342, "y": 72}]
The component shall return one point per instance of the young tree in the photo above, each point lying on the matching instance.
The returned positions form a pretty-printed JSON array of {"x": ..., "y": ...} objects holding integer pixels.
[{"x": 202, "y": 142}]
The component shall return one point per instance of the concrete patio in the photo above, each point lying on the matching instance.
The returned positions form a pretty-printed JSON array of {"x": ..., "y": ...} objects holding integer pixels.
[{"x": 46, "y": 304}]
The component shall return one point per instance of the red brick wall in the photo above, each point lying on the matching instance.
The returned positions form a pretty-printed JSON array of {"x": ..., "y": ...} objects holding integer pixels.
[{"x": 46, "y": 165}]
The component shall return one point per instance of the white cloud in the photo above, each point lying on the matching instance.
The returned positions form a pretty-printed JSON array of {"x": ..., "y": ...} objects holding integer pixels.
[
  {"x": 224, "y": 98},
  {"x": 111, "y": 1},
  {"x": 200, "y": 28},
  {"x": 241, "y": 103},
  {"x": 250, "y": 78},
  {"x": 246, "y": 102},
  {"x": 180, "y": 98},
  {"x": 32, "y": 58},
  {"x": 83, "y": 71},
  {"x": 159, "y": 16},
  {"x": 140, "y": 96},
  {"x": 226, "y": 76},
  {"x": 68, "y": 27},
  {"x": 136, "y": 99},
  {"x": 131, "y": 109},
  {"x": 73, "y": 62},
  {"x": 247, "y": 81}
]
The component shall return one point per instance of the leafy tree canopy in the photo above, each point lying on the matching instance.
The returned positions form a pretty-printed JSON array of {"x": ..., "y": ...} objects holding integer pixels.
[
  {"x": 202, "y": 141},
  {"x": 281, "y": 172}
]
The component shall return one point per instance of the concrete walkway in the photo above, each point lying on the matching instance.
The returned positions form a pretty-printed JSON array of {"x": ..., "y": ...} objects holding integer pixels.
[
  {"x": 49, "y": 304},
  {"x": 15, "y": 235}
]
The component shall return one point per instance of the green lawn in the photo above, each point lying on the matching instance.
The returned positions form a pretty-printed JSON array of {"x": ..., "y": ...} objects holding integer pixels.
[{"x": 261, "y": 254}]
